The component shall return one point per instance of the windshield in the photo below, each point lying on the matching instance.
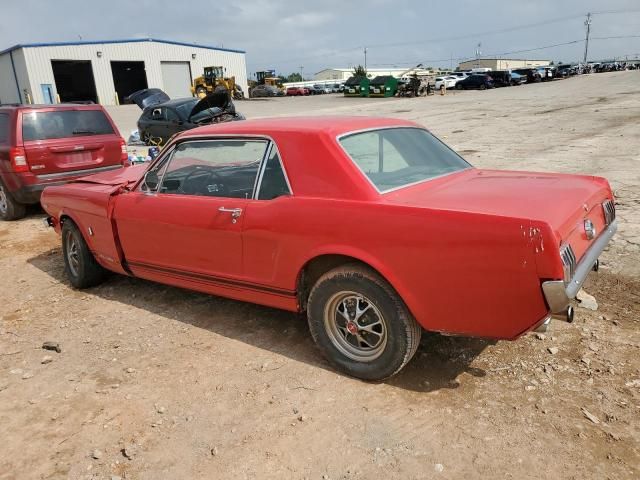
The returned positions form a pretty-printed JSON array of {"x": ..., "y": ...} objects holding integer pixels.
[
  {"x": 396, "y": 157},
  {"x": 184, "y": 110}
]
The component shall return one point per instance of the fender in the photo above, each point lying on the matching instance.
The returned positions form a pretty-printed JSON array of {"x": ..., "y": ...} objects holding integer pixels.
[{"x": 368, "y": 259}]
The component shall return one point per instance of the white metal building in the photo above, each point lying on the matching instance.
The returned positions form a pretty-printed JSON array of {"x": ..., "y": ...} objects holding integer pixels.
[
  {"x": 107, "y": 71},
  {"x": 342, "y": 74},
  {"x": 502, "y": 63}
]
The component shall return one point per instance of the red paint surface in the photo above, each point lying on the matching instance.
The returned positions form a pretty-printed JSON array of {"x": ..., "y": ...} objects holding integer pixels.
[{"x": 466, "y": 252}]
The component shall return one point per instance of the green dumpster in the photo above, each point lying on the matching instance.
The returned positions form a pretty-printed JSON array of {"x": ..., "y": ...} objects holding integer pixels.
[
  {"x": 383, "y": 86},
  {"x": 356, "y": 87}
]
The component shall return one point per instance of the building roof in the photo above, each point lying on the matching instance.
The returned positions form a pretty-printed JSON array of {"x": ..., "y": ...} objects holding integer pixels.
[{"x": 126, "y": 40}]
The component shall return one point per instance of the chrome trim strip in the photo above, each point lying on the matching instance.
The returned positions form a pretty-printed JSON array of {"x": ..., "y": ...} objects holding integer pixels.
[
  {"x": 88, "y": 171},
  {"x": 263, "y": 166},
  {"x": 374, "y": 129},
  {"x": 559, "y": 295}
]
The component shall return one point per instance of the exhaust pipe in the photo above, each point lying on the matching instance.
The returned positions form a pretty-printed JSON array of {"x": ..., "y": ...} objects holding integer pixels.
[{"x": 566, "y": 316}]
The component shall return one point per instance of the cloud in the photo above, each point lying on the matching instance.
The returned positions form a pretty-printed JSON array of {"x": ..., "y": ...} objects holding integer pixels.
[{"x": 287, "y": 34}]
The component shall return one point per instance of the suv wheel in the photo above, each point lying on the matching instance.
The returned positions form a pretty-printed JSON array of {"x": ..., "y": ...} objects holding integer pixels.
[
  {"x": 360, "y": 323},
  {"x": 79, "y": 263},
  {"x": 9, "y": 208}
]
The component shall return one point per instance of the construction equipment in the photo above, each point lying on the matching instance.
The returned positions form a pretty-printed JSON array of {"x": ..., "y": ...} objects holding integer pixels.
[
  {"x": 214, "y": 79},
  {"x": 415, "y": 85},
  {"x": 268, "y": 77}
]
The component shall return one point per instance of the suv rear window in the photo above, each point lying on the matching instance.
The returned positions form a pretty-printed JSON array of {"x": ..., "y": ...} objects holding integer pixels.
[
  {"x": 64, "y": 123},
  {"x": 4, "y": 128}
]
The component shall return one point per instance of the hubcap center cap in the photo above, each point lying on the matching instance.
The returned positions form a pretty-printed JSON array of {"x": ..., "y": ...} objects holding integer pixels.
[{"x": 352, "y": 327}]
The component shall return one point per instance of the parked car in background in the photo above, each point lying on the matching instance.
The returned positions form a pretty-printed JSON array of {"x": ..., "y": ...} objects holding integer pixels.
[
  {"x": 532, "y": 74},
  {"x": 43, "y": 145},
  {"x": 517, "y": 79},
  {"x": 501, "y": 78},
  {"x": 162, "y": 117},
  {"x": 337, "y": 88},
  {"x": 322, "y": 88},
  {"x": 448, "y": 81},
  {"x": 480, "y": 81},
  {"x": 265, "y": 91},
  {"x": 250, "y": 210},
  {"x": 316, "y": 90},
  {"x": 297, "y": 91}
]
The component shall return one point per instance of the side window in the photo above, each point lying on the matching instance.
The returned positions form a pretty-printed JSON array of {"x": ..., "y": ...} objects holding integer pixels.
[
  {"x": 214, "y": 168},
  {"x": 274, "y": 183},
  {"x": 4, "y": 128},
  {"x": 172, "y": 116}
]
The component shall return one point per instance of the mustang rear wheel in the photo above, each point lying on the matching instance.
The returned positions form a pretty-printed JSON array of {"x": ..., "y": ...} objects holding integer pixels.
[
  {"x": 360, "y": 323},
  {"x": 79, "y": 263}
]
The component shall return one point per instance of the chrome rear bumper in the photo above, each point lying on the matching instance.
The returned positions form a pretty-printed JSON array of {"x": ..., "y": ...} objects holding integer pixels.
[{"x": 557, "y": 293}]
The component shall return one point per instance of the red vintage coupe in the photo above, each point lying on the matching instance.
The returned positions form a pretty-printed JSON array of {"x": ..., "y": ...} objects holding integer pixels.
[{"x": 372, "y": 226}]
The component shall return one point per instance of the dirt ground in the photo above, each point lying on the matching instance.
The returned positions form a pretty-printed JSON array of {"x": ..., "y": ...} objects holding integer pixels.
[{"x": 157, "y": 382}]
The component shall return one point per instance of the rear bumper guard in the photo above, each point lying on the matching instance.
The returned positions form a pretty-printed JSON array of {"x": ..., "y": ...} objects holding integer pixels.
[{"x": 557, "y": 293}]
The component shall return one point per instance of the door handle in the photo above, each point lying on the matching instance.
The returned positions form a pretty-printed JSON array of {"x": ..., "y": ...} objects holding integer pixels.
[{"x": 235, "y": 213}]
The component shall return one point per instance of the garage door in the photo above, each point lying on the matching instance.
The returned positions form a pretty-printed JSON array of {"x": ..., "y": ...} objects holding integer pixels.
[{"x": 176, "y": 77}]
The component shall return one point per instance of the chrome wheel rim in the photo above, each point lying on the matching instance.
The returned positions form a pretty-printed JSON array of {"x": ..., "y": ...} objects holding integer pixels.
[
  {"x": 355, "y": 326},
  {"x": 4, "y": 205},
  {"x": 72, "y": 249}
]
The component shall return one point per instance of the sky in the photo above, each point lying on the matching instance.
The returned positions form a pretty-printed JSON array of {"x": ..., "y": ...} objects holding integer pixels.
[{"x": 295, "y": 35}]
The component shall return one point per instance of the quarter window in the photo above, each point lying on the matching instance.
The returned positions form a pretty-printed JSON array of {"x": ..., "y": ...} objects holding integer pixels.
[
  {"x": 396, "y": 157},
  {"x": 216, "y": 168}
]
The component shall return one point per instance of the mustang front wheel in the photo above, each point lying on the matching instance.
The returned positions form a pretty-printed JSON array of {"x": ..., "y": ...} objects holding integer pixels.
[
  {"x": 361, "y": 324},
  {"x": 79, "y": 263}
]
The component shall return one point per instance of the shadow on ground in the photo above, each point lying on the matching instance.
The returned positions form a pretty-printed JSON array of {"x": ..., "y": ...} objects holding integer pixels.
[{"x": 436, "y": 365}]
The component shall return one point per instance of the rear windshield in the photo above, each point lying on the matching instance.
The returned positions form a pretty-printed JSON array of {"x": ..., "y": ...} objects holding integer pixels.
[
  {"x": 4, "y": 128},
  {"x": 396, "y": 157},
  {"x": 64, "y": 123}
]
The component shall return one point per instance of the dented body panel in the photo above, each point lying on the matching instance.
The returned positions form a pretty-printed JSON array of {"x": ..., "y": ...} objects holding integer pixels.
[{"x": 467, "y": 252}]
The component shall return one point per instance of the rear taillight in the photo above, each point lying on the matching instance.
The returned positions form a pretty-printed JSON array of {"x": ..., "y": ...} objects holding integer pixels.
[
  {"x": 123, "y": 148},
  {"x": 18, "y": 159}
]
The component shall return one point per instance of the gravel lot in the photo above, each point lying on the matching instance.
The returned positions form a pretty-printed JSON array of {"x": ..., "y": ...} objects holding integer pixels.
[{"x": 157, "y": 382}]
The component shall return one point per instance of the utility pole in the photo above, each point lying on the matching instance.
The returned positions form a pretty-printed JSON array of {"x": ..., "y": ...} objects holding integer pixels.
[
  {"x": 365, "y": 59},
  {"x": 587, "y": 24},
  {"x": 302, "y": 73}
]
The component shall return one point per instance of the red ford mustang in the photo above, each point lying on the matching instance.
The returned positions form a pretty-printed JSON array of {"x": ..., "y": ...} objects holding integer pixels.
[{"x": 372, "y": 226}]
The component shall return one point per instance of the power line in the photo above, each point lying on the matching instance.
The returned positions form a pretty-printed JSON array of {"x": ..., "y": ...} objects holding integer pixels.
[
  {"x": 440, "y": 39},
  {"x": 342, "y": 52}
]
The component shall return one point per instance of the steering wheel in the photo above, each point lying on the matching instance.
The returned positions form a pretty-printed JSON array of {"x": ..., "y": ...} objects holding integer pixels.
[{"x": 205, "y": 182}]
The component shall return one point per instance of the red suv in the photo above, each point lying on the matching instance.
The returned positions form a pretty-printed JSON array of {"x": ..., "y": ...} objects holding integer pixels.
[
  {"x": 42, "y": 145},
  {"x": 297, "y": 91}
]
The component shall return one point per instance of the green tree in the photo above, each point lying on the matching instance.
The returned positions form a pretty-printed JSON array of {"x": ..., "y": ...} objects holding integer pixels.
[
  {"x": 359, "y": 71},
  {"x": 294, "y": 77}
]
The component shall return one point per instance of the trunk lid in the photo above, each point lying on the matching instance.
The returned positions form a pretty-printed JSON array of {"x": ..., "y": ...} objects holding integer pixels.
[
  {"x": 68, "y": 140},
  {"x": 148, "y": 97},
  {"x": 563, "y": 201}
]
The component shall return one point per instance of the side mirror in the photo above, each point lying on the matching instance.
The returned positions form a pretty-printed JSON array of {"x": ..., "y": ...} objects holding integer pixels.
[{"x": 151, "y": 181}]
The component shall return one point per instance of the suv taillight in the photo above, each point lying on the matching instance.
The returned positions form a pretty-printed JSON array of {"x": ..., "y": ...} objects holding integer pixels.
[
  {"x": 18, "y": 158},
  {"x": 123, "y": 148}
]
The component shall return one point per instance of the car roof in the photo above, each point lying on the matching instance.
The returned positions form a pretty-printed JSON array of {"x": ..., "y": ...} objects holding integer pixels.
[
  {"x": 56, "y": 106},
  {"x": 324, "y": 125}
]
